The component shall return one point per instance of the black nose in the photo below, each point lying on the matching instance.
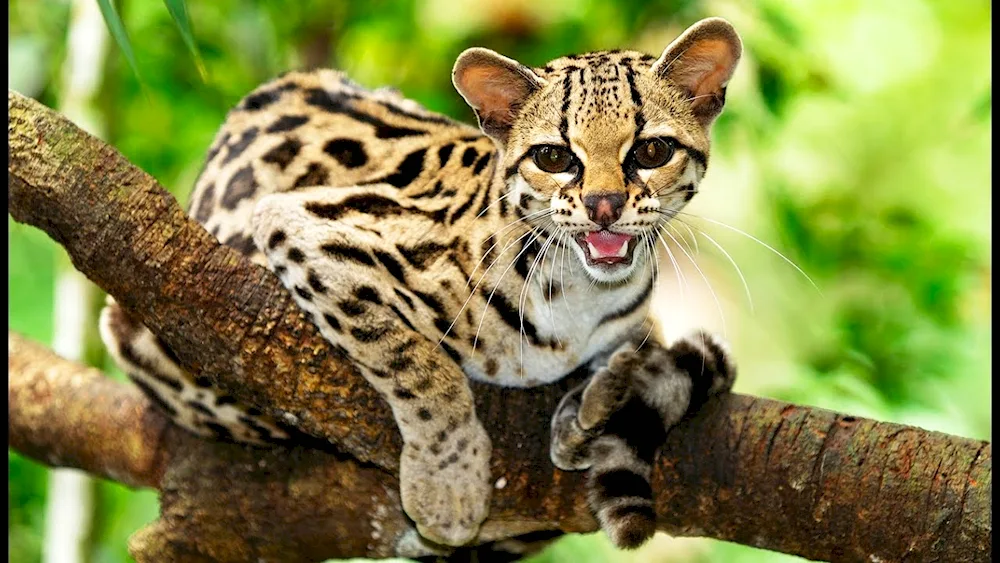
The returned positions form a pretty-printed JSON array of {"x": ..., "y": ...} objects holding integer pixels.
[{"x": 604, "y": 209}]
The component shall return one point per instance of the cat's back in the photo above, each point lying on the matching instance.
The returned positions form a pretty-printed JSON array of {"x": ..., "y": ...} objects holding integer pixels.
[{"x": 315, "y": 128}]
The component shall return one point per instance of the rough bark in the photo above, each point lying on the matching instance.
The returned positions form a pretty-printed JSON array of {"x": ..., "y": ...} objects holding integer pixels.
[
  {"x": 753, "y": 471},
  {"x": 218, "y": 501},
  {"x": 224, "y": 316},
  {"x": 760, "y": 472}
]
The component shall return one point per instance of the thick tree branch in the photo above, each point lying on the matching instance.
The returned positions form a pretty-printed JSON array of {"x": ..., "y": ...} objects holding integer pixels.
[
  {"x": 64, "y": 414},
  {"x": 218, "y": 501},
  {"x": 754, "y": 471},
  {"x": 224, "y": 316}
]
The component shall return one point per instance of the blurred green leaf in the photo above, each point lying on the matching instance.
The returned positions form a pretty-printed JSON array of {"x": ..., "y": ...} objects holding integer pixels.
[
  {"x": 117, "y": 29},
  {"x": 178, "y": 11}
]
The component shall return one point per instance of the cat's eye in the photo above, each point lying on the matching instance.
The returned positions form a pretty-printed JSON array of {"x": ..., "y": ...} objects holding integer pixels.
[
  {"x": 553, "y": 159},
  {"x": 653, "y": 153}
]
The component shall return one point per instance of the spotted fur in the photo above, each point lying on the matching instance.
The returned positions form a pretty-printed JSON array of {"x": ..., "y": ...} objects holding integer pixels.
[{"x": 430, "y": 253}]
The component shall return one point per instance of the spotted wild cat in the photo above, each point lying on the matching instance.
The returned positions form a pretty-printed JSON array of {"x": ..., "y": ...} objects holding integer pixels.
[{"x": 429, "y": 253}]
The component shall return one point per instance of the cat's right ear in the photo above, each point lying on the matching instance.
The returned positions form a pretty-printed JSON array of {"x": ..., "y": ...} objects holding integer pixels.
[
  {"x": 701, "y": 61},
  {"x": 495, "y": 86}
]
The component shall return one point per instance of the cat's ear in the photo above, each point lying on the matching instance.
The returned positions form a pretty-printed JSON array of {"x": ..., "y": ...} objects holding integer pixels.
[
  {"x": 495, "y": 86},
  {"x": 701, "y": 61}
]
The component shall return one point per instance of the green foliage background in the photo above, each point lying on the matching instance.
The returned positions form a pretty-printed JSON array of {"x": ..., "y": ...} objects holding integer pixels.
[{"x": 856, "y": 141}]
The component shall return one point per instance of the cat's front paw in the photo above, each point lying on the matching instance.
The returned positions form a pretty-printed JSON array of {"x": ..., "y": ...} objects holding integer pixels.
[
  {"x": 569, "y": 448},
  {"x": 582, "y": 413},
  {"x": 446, "y": 487}
]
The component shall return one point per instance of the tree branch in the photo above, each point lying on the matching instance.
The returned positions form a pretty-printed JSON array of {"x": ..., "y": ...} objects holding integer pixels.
[
  {"x": 219, "y": 502},
  {"x": 754, "y": 471}
]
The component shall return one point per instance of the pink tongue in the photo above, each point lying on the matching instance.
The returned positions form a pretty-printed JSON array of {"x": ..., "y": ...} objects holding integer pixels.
[{"x": 607, "y": 244}]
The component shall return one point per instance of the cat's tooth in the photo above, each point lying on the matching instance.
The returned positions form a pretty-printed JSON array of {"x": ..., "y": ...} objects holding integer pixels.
[
  {"x": 623, "y": 250},
  {"x": 593, "y": 251}
]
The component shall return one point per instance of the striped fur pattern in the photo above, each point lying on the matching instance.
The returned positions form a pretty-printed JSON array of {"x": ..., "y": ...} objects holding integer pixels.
[
  {"x": 430, "y": 252},
  {"x": 613, "y": 424}
]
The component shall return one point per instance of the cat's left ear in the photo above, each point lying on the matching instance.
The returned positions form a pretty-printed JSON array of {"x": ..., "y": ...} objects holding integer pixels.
[
  {"x": 701, "y": 61},
  {"x": 495, "y": 86}
]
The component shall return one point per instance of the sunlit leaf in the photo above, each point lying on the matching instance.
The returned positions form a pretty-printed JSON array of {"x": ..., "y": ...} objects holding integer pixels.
[
  {"x": 117, "y": 29},
  {"x": 178, "y": 11}
]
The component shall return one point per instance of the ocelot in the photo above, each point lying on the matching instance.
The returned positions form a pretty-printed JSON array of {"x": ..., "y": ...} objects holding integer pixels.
[{"x": 430, "y": 251}]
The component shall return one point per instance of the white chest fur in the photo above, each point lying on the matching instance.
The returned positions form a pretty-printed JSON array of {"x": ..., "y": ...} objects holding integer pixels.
[{"x": 577, "y": 325}]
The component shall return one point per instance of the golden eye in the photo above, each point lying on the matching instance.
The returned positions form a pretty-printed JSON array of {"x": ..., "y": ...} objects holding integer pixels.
[
  {"x": 653, "y": 153},
  {"x": 553, "y": 159}
]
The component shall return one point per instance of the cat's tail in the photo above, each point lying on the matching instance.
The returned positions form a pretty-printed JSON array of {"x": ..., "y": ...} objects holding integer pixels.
[
  {"x": 619, "y": 491},
  {"x": 665, "y": 389}
]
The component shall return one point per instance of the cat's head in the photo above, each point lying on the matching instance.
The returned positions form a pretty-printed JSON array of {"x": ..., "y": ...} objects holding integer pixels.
[{"x": 604, "y": 148}]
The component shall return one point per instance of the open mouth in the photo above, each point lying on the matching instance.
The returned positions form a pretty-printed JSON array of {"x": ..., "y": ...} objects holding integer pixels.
[{"x": 607, "y": 249}]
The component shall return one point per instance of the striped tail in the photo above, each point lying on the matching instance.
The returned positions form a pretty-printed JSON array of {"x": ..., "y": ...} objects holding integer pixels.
[
  {"x": 666, "y": 389},
  {"x": 619, "y": 490}
]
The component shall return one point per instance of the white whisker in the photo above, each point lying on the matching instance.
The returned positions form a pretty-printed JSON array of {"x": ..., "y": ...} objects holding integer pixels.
[
  {"x": 474, "y": 289},
  {"x": 647, "y": 241},
  {"x": 486, "y": 308},
  {"x": 760, "y": 242},
  {"x": 562, "y": 277},
  {"x": 552, "y": 275},
  {"x": 693, "y": 237},
  {"x": 524, "y": 292},
  {"x": 718, "y": 304},
  {"x": 733, "y": 262},
  {"x": 536, "y": 215},
  {"x": 680, "y": 237},
  {"x": 681, "y": 284},
  {"x": 498, "y": 200}
]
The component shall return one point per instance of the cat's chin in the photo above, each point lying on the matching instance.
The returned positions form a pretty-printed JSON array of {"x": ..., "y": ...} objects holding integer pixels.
[{"x": 611, "y": 273}]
